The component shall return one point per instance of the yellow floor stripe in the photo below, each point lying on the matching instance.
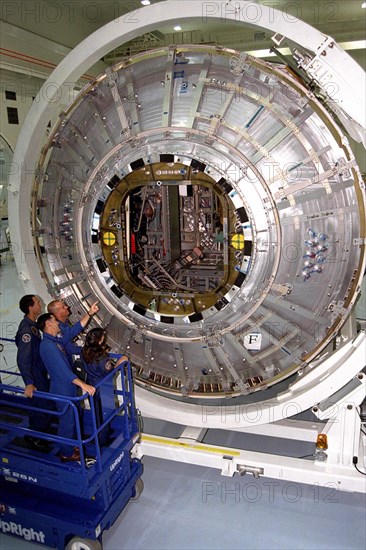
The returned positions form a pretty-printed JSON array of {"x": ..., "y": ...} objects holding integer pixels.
[
  {"x": 191, "y": 446},
  {"x": 4, "y": 311}
]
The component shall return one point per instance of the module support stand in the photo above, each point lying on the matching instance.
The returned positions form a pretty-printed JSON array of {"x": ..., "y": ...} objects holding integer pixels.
[
  {"x": 339, "y": 421},
  {"x": 343, "y": 426}
]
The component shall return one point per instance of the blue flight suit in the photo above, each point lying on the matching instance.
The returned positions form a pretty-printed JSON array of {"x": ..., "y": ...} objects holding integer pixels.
[
  {"x": 70, "y": 347},
  {"x": 95, "y": 372},
  {"x": 58, "y": 365},
  {"x": 33, "y": 371},
  {"x": 98, "y": 370}
]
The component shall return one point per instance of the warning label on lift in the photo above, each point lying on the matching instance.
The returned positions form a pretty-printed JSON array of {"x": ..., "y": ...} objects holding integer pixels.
[{"x": 12, "y": 528}]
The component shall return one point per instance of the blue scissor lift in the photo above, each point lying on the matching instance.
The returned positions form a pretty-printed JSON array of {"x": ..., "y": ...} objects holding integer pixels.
[{"x": 69, "y": 505}]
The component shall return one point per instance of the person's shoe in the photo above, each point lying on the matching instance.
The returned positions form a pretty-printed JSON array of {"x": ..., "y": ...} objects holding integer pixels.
[
  {"x": 37, "y": 444},
  {"x": 75, "y": 457}
]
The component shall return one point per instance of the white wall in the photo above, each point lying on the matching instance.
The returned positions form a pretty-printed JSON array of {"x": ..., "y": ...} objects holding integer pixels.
[{"x": 26, "y": 87}]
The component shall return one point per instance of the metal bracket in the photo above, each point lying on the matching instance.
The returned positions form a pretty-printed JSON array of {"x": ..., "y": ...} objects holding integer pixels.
[
  {"x": 238, "y": 65},
  {"x": 13, "y": 189},
  {"x": 314, "y": 66},
  {"x": 278, "y": 39},
  {"x": 24, "y": 277},
  {"x": 359, "y": 241},
  {"x": 338, "y": 309},
  {"x": 255, "y": 470}
]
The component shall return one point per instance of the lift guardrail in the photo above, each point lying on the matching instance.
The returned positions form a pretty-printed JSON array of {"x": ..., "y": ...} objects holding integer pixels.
[{"x": 38, "y": 485}]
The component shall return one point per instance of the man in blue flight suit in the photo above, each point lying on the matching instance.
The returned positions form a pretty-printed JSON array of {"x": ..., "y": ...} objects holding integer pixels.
[
  {"x": 63, "y": 380},
  {"x": 61, "y": 311},
  {"x": 32, "y": 369}
]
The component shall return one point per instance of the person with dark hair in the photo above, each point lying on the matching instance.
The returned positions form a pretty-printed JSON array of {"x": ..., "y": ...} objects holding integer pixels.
[
  {"x": 28, "y": 301},
  {"x": 63, "y": 380},
  {"x": 32, "y": 369},
  {"x": 96, "y": 365},
  {"x": 95, "y": 358}
]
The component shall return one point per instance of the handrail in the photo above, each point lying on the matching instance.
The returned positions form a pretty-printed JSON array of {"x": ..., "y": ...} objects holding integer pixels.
[
  {"x": 10, "y": 373},
  {"x": 82, "y": 397},
  {"x": 72, "y": 402}
]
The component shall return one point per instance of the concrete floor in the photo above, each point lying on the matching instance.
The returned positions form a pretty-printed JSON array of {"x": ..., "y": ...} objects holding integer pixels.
[{"x": 191, "y": 507}]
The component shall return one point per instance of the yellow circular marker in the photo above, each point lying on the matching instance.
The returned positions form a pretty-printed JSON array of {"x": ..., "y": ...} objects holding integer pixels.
[
  {"x": 237, "y": 241},
  {"x": 109, "y": 238}
]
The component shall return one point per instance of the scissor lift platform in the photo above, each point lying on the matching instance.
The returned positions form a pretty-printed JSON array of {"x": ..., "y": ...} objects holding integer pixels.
[{"x": 69, "y": 504}]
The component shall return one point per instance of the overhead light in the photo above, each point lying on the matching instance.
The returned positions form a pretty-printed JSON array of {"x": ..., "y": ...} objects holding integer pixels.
[
  {"x": 145, "y": 2},
  {"x": 177, "y": 28},
  {"x": 363, "y": 5}
]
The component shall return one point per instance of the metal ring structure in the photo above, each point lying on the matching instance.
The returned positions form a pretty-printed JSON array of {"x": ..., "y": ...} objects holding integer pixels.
[{"x": 197, "y": 125}]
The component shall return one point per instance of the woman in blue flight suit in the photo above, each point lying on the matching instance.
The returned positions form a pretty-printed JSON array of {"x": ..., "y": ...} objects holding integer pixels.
[{"x": 97, "y": 364}]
